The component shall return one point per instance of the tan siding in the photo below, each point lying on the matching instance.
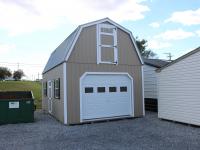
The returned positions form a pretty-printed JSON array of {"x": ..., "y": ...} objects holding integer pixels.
[
  {"x": 75, "y": 71},
  {"x": 58, "y": 104},
  {"x": 126, "y": 50},
  {"x": 85, "y": 48}
]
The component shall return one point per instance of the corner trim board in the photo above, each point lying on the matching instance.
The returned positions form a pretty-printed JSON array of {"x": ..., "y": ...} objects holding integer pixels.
[
  {"x": 65, "y": 91},
  {"x": 142, "y": 69}
]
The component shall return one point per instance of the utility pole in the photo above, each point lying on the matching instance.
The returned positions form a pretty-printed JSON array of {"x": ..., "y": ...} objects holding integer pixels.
[{"x": 169, "y": 55}]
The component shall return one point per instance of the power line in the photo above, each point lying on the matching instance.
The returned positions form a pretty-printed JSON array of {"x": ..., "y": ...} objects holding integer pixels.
[
  {"x": 12, "y": 63},
  {"x": 17, "y": 64}
]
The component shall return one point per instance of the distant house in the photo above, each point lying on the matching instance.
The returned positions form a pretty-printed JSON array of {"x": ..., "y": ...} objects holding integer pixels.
[
  {"x": 150, "y": 82},
  {"x": 94, "y": 74},
  {"x": 179, "y": 89}
]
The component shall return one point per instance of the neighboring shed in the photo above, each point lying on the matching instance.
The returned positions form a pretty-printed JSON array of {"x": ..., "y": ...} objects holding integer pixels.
[
  {"x": 150, "y": 82},
  {"x": 94, "y": 74},
  {"x": 179, "y": 89}
]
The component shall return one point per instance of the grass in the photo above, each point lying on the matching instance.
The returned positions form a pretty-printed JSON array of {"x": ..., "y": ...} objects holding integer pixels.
[{"x": 33, "y": 86}]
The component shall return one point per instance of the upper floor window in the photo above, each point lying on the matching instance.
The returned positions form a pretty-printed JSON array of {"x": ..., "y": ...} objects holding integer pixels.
[
  {"x": 107, "y": 51},
  {"x": 57, "y": 88}
]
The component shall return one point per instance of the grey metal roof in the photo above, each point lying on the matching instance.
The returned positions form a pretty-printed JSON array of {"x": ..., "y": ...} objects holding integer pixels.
[
  {"x": 59, "y": 54},
  {"x": 158, "y": 63}
]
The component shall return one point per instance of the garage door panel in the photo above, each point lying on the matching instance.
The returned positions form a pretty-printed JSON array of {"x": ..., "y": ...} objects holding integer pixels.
[
  {"x": 104, "y": 111},
  {"x": 114, "y": 101}
]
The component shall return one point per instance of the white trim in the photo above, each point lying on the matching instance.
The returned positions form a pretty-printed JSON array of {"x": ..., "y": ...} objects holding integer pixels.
[
  {"x": 109, "y": 26},
  {"x": 42, "y": 92},
  {"x": 74, "y": 42},
  {"x": 109, "y": 46},
  {"x": 116, "y": 58},
  {"x": 65, "y": 91},
  {"x": 80, "y": 88},
  {"x": 100, "y": 45},
  {"x": 50, "y": 96},
  {"x": 104, "y": 33},
  {"x": 98, "y": 22},
  {"x": 137, "y": 50},
  {"x": 56, "y": 88},
  {"x": 142, "y": 68},
  {"x": 97, "y": 44},
  {"x": 108, "y": 62},
  {"x": 107, "y": 73}
]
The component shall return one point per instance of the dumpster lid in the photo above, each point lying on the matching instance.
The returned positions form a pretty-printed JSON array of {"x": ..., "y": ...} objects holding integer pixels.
[{"x": 16, "y": 95}]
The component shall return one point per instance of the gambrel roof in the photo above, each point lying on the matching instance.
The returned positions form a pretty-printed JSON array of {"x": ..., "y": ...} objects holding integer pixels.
[
  {"x": 59, "y": 54},
  {"x": 63, "y": 51}
]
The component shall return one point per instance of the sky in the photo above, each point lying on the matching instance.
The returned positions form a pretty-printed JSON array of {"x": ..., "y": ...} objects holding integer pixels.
[{"x": 31, "y": 29}]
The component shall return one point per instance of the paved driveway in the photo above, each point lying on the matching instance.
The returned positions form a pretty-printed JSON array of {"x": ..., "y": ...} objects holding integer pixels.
[{"x": 141, "y": 133}]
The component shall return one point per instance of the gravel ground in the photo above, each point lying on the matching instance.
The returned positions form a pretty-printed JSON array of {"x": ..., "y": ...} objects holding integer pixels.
[{"x": 140, "y": 133}]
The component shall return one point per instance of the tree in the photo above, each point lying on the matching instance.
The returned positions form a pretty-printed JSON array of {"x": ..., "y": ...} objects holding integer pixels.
[
  {"x": 4, "y": 73},
  {"x": 17, "y": 75},
  {"x": 142, "y": 46}
]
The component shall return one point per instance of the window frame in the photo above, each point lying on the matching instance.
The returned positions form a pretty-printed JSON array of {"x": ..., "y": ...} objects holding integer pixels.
[
  {"x": 122, "y": 90},
  {"x": 50, "y": 89},
  {"x": 101, "y": 87},
  {"x": 100, "y": 46},
  {"x": 90, "y": 92},
  {"x": 110, "y": 89},
  {"x": 57, "y": 88}
]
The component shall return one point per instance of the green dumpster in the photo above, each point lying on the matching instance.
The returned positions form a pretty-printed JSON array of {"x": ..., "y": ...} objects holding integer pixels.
[{"x": 16, "y": 107}]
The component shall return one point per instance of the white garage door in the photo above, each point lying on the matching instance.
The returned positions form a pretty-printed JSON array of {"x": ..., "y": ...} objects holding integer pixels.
[{"x": 106, "y": 96}]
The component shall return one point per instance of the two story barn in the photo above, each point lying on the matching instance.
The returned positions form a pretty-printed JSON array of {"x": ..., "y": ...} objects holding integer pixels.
[{"x": 94, "y": 74}]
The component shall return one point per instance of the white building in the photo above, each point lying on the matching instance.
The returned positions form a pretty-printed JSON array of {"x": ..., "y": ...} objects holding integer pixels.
[
  {"x": 179, "y": 89},
  {"x": 150, "y": 82}
]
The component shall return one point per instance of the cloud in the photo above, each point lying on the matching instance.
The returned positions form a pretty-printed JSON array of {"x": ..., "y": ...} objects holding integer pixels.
[
  {"x": 177, "y": 34},
  {"x": 188, "y": 17},
  {"x": 5, "y": 48},
  {"x": 156, "y": 44},
  {"x": 155, "y": 24},
  {"x": 21, "y": 16}
]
